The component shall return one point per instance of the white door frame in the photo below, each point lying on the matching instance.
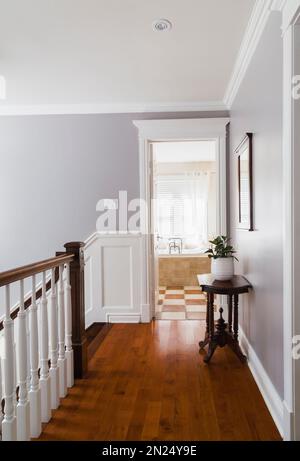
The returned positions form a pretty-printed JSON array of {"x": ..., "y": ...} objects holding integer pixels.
[
  {"x": 291, "y": 228},
  {"x": 176, "y": 130}
]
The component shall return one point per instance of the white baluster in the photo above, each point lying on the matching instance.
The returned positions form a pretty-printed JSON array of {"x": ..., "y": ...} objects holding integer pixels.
[
  {"x": 68, "y": 332},
  {"x": 28, "y": 352},
  {"x": 34, "y": 392},
  {"x": 61, "y": 336},
  {"x": 1, "y": 392},
  {"x": 53, "y": 345},
  {"x": 23, "y": 410},
  {"x": 15, "y": 372},
  {"x": 45, "y": 383},
  {"x": 9, "y": 424}
]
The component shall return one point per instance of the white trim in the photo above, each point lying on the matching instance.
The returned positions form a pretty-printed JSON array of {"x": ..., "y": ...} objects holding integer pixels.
[
  {"x": 105, "y": 287},
  {"x": 117, "y": 234},
  {"x": 288, "y": 226},
  {"x": 145, "y": 313},
  {"x": 255, "y": 28},
  {"x": 123, "y": 318},
  {"x": 183, "y": 129},
  {"x": 172, "y": 130},
  {"x": 65, "y": 109},
  {"x": 290, "y": 13},
  {"x": 263, "y": 381},
  {"x": 278, "y": 5}
]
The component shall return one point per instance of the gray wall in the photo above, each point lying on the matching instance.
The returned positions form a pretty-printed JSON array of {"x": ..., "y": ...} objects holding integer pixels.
[
  {"x": 54, "y": 169},
  {"x": 258, "y": 109}
]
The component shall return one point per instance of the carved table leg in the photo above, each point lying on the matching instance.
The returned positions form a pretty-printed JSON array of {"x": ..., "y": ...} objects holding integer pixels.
[
  {"x": 219, "y": 338},
  {"x": 202, "y": 344},
  {"x": 211, "y": 349},
  {"x": 212, "y": 343},
  {"x": 230, "y": 313},
  {"x": 236, "y": 318},
  {"x": 211, "y": 318},
  {"x": 233, "y": 342}
]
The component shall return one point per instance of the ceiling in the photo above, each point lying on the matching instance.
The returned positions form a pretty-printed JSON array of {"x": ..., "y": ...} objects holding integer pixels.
[
  {"x": 178, "y": 152},
  {"x": 106, "y": 52}
]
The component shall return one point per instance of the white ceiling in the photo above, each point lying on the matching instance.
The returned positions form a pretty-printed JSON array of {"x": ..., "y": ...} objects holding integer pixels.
[
  {"x": 178, "y": 152},
  {"x": 105, "y": 51}
]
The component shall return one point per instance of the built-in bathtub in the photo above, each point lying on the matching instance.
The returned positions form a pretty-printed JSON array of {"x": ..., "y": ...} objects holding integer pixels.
[
  {"x": 185, "y": 252},
  {"x": 182, "y": 269}
]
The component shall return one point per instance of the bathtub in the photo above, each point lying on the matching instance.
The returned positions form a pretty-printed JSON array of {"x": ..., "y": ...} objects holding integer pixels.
[
  {"x": 182, "y": 269},
  {"x": 194, "y": 252}
]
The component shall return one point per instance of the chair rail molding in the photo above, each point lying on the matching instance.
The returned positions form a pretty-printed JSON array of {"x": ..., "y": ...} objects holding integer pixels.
[
  {"x": 150, "y": 131},
  {"x": 113, "y": 292},
  {"x": 291, "y": 319}
]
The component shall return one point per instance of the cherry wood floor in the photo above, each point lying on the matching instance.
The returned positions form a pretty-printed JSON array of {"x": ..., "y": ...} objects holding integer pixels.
[{"x": 148, "y": 382}]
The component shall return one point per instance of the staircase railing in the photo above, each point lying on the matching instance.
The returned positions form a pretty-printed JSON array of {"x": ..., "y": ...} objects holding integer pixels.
[{"x": 41, "y": 357}]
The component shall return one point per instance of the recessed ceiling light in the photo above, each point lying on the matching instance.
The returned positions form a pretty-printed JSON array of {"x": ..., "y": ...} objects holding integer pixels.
[{"x": 161, "y": 25}]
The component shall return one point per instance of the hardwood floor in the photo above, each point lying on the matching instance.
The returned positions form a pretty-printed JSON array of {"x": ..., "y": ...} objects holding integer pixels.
[
  {"x": 148, "y": 382},
  {"x": 95, "y": 334}
]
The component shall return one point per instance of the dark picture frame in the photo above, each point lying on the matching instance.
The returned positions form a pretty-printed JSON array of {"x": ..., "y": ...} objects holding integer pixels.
[{"x": 245, "y": 183}]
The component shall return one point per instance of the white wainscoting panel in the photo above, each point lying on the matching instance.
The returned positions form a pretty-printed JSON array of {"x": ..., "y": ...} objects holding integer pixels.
[{"x": 113, "y": 278}]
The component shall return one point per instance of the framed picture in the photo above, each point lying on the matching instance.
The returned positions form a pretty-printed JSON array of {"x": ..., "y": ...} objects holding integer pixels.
[{"x": 245, "y": 203}]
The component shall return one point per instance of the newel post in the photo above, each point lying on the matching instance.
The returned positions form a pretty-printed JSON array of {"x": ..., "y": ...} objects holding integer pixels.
[{"x": 79, "y": 342}]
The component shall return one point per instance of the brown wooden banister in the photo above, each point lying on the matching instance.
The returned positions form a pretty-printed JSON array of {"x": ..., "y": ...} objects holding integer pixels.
[
  {"x": 28, "y": 301},
  {"x": 23, "y": 272},
  {"x": 73, "y": 256},
  {"x": 79, "y": 339}
]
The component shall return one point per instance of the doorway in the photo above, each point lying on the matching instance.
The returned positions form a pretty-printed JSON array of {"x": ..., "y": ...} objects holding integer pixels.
[
  {"x": 173, "y": 130},
  {"x": 184, "y": 219}
]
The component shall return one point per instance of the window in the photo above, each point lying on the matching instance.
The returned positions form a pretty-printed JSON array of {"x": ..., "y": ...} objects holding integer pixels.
[{"x": 182, "y": 202}]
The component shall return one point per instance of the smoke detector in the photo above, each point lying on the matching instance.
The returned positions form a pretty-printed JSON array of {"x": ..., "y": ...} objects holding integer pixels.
[{"x": 161, "y": 25}]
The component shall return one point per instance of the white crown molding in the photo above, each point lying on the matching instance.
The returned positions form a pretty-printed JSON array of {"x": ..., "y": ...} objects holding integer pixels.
[
  {"x": 66, "y": 109},
  {"x": 254, "y": 30},
  {"x": 290, "y": 12}
]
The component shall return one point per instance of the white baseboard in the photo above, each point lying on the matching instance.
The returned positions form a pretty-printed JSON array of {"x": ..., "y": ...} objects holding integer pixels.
[
  {"x": 264, "y": 383},
  {"x": 90, "y": 317},
  {"x": 123, "y": 318},
  {"x": 145, "y": 313},
  {"x": 288, "y": 423}
]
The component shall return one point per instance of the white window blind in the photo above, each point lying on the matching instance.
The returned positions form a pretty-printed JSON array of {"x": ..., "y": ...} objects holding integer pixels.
[
  {"x": 182, "y": 206},
  {"x": 171, "y": 196}
]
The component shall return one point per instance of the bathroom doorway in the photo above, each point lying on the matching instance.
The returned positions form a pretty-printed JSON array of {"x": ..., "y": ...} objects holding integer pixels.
[{"x": 184, "y": 218}]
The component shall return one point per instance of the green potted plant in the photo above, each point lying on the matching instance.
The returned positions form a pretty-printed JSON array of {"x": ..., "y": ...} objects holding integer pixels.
[{"x": 221, "y": 254}]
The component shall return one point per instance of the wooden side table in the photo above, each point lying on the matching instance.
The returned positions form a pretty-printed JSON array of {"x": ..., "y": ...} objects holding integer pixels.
[{"x": 220, "y": 333}]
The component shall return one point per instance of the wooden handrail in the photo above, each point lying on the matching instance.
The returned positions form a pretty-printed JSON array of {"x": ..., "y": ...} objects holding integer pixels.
[
  {"x": 28, "y": 301},
  {"x": 74, "y": 256},
  {"x": 23, "y": 272}
]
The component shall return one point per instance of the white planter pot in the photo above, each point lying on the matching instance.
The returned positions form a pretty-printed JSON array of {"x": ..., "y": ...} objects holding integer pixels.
[{"x": 222, "y": 268}]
